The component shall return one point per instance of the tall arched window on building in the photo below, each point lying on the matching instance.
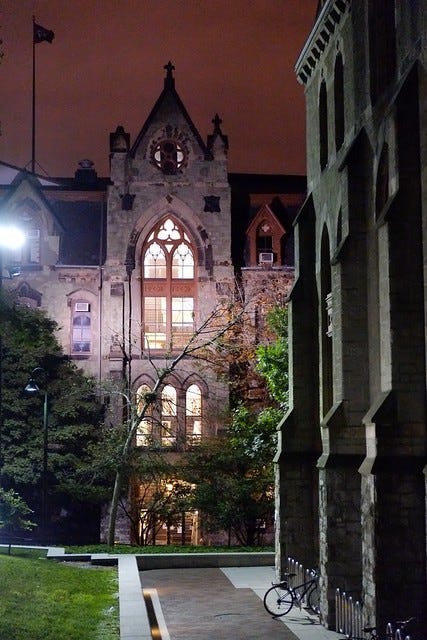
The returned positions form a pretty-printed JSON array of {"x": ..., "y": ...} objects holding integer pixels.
[
  {"x": 168, "y": 287},
  {"x": 169, "y": 412},
  {"x": 81, "y": 333},
  {"x": 193, "y": 414},
  {"x": 323, "y": 126},
  {"x": 144, "y": 434},
  {"x": 339, "y": 101}
]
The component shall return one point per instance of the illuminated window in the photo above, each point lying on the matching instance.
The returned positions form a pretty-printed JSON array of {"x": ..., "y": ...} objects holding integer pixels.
[
  {"x": 169, "y": 416},
  {"x": 145, "y": 428},
  {"x": 81, "y": 341},
  {"x": 168, "y": 287},
  {"x": 193, "y": 413}
]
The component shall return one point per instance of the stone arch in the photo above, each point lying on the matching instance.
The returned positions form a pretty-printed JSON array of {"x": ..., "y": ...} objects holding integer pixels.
[{"x": 184, "y": 214}]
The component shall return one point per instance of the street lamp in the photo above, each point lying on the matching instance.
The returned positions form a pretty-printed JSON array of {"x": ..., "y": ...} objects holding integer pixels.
[
  {"x": 32, "y": 389},
  {"x": 11, "y": 238}
]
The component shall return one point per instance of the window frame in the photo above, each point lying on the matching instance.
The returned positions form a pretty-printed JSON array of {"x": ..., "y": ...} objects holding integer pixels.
[
  {"x": 87, "y": 328},
  {"x": 160, "y": 295}
]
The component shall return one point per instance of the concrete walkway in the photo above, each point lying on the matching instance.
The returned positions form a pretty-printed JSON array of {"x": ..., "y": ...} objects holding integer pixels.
[{"x": 222, "y": 604}]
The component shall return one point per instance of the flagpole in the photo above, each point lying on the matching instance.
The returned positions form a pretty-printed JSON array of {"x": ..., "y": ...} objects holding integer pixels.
[{"x": 33, "y": 128}]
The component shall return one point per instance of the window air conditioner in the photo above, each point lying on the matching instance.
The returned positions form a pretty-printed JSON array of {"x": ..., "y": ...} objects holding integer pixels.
[
  {"x": 266, "y": 258},
  {"x": 82, "y": 306}
]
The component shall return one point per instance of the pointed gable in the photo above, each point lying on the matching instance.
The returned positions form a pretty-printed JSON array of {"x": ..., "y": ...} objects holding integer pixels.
[
  {"x": 170, "y": 112},
  {"x": 265, "y": 235}
]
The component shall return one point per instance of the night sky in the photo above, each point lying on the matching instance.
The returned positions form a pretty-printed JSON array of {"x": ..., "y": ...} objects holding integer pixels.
[{"x": 105, "y": 67}]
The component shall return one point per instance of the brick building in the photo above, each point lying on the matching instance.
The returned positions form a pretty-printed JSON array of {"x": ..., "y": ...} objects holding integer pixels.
[
  {"x": 141, "y": 258},
  {"x": 353, "y": 445}
]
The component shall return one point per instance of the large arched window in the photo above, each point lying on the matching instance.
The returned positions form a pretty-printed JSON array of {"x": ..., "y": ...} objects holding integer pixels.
[
  {"x": 193, "y": 414},
  {"x": 168, "y": 287},
  {"x": 169, "y": 415},
  {"x": 144, "y": 433}
]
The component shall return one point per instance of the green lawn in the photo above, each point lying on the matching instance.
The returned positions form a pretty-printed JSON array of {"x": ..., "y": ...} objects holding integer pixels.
[{"x": 46, "y": 600}]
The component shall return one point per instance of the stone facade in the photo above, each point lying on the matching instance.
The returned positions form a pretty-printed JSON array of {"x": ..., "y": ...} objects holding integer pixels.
[
  {"x": 87, "y": 256},
  {"x": 357, "y": 423}
]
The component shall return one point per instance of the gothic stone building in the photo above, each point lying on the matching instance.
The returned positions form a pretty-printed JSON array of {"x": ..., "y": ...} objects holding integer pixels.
[
  {"x": 142, "y": 257},
  {"x": 353, "y": 445}
]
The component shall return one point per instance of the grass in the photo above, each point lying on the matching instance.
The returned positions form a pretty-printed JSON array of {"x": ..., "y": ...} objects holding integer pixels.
[
  {"x": 125, "y": 548},
  {"x": 46, "y": 600}
]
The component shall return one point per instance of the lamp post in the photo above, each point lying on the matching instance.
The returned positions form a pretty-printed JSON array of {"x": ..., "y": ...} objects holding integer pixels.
[
  {"x": 11, "y": 238},
  {"x": 33, "y": 389}
]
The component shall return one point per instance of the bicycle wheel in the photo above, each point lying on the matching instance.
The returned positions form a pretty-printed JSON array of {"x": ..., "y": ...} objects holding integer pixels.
[
  {"x": 313, "y": 599},
  {"x": 278, "y": 600}
]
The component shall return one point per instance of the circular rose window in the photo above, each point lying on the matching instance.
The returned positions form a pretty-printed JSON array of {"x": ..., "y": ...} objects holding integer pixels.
[{"x": 169, "y": 156}]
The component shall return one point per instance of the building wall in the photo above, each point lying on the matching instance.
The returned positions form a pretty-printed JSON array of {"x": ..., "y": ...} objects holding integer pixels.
[{"x": 366, "y": 247}]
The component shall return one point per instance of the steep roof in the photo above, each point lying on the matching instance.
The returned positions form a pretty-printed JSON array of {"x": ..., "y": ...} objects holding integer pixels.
[{"x": 169, "y": 96}]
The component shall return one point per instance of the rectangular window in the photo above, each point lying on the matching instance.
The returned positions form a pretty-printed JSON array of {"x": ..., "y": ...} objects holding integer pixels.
[
  {"x": 155, "y": 322},
  {"x": 182, "y": 321}
]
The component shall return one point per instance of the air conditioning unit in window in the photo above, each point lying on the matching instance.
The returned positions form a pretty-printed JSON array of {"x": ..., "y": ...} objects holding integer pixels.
[
  {"x": 82, "y": 306},
  {"x": 266, "y": 258}
]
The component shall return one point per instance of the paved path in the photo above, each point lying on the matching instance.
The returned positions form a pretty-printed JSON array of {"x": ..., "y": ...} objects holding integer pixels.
[{"x": 222, "y": 604}]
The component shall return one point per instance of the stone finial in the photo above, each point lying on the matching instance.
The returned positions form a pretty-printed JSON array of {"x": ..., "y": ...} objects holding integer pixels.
[
  {"x": 217, "y": 139},
  {"x": 169, "y": 80},
  {"x": 119, "y": 141}
]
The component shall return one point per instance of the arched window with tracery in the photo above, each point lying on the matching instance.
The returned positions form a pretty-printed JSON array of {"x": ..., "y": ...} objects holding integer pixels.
[
  {"x": 169, "y": 415},
  {"x": 144, "y": 434},
  {"x": 193, "y": 414},
  {"x": 168, "y": 287}
]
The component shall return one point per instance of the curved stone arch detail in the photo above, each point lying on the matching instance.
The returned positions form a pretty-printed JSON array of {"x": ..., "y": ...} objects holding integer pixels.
[
  {"x": 150, "y": 218},
  {"x": 327, "y": 220},
  {"x": 143, "y": 378},
  {"x": 81, "y": 291},
  {"x": 194, "y": 378}
]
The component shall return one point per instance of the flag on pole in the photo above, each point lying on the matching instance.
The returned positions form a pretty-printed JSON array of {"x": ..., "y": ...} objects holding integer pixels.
[{"x": 42, "y": 35}]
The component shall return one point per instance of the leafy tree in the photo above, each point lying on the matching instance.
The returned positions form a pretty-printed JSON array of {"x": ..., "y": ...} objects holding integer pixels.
[
  {"x": 14, "y": 514},
  {"x": 200, "y": 346},
  {"x": 29, "y": 343},
  {"x": 159, "y": 496},
  {"x": 272, "y": 358},
  {"x": 234, "y": 476}
]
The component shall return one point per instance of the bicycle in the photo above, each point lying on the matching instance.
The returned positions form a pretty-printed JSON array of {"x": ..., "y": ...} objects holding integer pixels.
[
  {"x": 281, "y": 597},
  {"x": 390, "y": 634}
]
